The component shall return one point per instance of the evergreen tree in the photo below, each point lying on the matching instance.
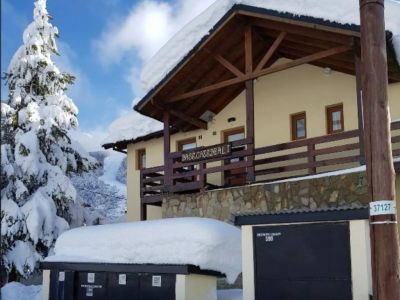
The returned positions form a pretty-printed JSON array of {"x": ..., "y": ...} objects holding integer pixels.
[{"x": 38, "y": 200}]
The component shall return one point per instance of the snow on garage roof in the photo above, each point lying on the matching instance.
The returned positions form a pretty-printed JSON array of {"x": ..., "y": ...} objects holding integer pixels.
[
  {"x": 207, "y": 243},
  {"x": 345, "y": 12}
]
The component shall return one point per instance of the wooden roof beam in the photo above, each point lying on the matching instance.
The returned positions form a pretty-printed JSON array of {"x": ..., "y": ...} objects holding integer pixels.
[
  {"x": 229, "y": 66},
  {"x": 270, "y": 51},
  {"x": 248, "y": 50},
  {"x": 193, "y": 121},
  {"x": 303, "y": 31},
  {"x": 270, "y": 70}
]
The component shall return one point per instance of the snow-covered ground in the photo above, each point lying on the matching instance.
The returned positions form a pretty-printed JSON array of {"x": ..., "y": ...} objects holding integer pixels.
[
  {"x": 207, "y": 243},
  {"x": 234, "y": 294},
  {"x": 18, "y": 291}
]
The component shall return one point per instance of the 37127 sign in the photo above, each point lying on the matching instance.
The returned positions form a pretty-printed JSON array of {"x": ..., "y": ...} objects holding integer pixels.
[{"x": 382, "y": 207}]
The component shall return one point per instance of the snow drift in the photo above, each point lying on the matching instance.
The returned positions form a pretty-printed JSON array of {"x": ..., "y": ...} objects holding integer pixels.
[
  {"x": 209, "y": 244},
  {"x": 18, "y": 291}
]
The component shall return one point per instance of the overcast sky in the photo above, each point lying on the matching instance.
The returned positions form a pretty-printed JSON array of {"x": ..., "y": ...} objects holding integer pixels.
[{"x": 104, "y": 43}]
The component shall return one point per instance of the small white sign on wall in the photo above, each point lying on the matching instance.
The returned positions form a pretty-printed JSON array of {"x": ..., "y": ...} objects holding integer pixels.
[
  {"x": 61, "y": 276},
  {"x": 90, "y": 277},
  {"x": 156, "y": 281},
  {"x": 89, "y": 292},
  {"x": 122, "y": 279}
]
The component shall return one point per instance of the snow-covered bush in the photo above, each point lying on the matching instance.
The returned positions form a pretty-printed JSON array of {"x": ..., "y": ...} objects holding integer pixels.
[{"x": 38, "y": 200}]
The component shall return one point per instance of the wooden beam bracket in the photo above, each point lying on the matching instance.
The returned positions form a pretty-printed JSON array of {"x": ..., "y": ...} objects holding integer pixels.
[
  {"x": 270, "y": 51},
  {"x": 255, "y": 74},
  {"x": 229, "y": 66},
  {"x": 180, "y": 115}
]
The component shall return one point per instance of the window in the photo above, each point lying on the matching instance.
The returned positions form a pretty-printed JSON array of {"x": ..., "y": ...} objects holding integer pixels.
[
  {"x": 140, "y": 159},
  {"x": 186, "y": 144},
  {"x": 232, "y": 135},
  {"x": 298, "y": 125},
  {"x": 334, "y": 118}
]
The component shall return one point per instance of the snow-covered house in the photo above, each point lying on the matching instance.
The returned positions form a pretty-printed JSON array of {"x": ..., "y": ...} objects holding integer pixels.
[
  {"x": 251, "y": 92},
  {"x": 261, "y": 105}
]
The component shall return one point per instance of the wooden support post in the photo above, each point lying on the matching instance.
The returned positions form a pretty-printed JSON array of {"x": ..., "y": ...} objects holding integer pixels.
[
  {"x": 202, "y": 176},
  {"x": 311, "y": 158},
  {"x": 143, "y": 212},
  {"x": 379, "y": 160},
  {"x": 167, "y": 150},
  {"x": 250, "y": 174},
  {"x": 248, "y": 47},
  {"x": 360, "y": 109}
]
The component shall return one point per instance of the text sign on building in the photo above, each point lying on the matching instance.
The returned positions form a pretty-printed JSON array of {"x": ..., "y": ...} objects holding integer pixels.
[{"x": 207, "y": 153}]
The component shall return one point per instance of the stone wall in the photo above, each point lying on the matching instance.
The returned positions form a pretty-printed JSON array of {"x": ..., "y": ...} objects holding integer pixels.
[{"x": 329, "y": 191}]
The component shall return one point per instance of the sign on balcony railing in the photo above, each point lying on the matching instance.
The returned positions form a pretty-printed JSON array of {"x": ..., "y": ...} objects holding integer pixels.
[{"x": 206, "y": 153}]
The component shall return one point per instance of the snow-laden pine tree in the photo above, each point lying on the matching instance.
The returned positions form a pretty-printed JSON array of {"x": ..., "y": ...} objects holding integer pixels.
[{"x": 38, "y": 200}]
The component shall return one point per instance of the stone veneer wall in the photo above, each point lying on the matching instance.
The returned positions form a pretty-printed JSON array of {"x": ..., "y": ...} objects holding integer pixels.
[{"x": 329, "y": 191}]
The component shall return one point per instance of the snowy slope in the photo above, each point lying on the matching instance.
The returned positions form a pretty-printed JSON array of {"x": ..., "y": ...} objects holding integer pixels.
[
  {"x": 112, "y": 164},
  {"x": 341, "y": 11},
  {"x": 100, "y": 191},
  {"x": 207, "y": 243}
]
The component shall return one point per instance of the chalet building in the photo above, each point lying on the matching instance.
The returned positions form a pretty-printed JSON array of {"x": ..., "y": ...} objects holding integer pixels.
[
  {"x": 262, "y": 112},
  {"x": 258, "y": 110}
]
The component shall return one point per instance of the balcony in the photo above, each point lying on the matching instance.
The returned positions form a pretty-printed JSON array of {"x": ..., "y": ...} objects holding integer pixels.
[{"x": 270, "y": 163}]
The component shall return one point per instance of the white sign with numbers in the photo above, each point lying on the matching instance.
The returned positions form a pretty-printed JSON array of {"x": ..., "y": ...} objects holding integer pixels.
[
  {"x": 383, "y": 207},
  {"x": 156, "y": 281}
]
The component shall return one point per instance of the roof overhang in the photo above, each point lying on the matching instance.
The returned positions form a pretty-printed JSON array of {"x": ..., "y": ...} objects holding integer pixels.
[{"x": 219, "y": 55}]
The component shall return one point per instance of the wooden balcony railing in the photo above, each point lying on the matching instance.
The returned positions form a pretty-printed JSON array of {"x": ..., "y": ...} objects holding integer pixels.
[{"x": 279, "y": 161}]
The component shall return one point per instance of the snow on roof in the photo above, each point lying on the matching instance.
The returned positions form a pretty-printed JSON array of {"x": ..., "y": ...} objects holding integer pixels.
[
  {"x": 129, "y": 126},
  {"x": 179, "y": 46},
  {"x": 207, "y": 243}
]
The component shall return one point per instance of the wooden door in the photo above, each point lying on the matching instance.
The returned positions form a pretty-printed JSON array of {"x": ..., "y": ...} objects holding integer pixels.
[{"x": 236, "y": 176}]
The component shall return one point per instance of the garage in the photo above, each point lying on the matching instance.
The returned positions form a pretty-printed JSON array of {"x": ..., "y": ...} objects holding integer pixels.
[
  {"x": 306, "y": 255},
  {"x": 89, "y": 281},
  {"x": 171, "y": 259}
]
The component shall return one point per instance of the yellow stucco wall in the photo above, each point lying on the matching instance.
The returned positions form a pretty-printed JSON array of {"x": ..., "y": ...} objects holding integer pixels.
[{"x": 277, "y": 96}]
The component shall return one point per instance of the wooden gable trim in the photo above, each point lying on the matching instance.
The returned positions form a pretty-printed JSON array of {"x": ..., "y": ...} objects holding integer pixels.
[
  {"x": 229, "y": 16},
  {"x": 338, "y": 30},
  {"x": 270, "y": 70}
]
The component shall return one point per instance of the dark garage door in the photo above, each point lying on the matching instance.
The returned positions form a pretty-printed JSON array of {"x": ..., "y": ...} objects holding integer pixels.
[
  {"x": 74, "y": 285},
  {"x": 302, "y": 262}
]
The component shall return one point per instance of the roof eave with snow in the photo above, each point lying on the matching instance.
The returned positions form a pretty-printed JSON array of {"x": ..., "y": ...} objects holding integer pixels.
[{"x": 157, "y": 84}]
